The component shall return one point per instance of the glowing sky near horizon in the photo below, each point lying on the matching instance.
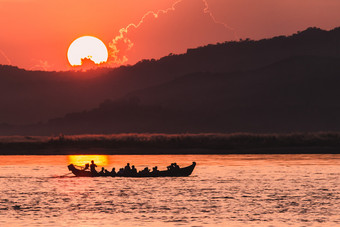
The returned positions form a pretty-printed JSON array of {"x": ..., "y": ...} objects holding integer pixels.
[{"x": 36, "y": 34}]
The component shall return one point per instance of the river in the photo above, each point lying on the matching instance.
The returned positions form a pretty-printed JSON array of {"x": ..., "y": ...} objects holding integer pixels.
[{"x": 224, "y": 190}]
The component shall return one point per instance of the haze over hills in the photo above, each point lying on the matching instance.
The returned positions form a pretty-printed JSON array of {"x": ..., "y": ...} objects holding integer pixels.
[{"x": 275, "y": 85}]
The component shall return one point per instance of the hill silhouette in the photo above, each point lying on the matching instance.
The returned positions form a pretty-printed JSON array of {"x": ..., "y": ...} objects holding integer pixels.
[{"x": 273, "y": 85}]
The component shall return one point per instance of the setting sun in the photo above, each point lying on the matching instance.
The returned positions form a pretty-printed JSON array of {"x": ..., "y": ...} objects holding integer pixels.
[
  {"x": 87, "y": 47},
  {"x": 81, "y": 160}
]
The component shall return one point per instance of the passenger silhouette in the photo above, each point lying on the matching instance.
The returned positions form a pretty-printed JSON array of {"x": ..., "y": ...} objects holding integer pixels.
[
  {"x": 113, "y": 172},
  {"x": 155, "y": 169},
  {"x": 102, "y": 171},
  {"x": 170, "y": 167},
  {"x": 127, "y": 168},
  {"x": 120, "y": 172},
  {"x": 173, "y": 167},
  {"x": 93, "y": 167},
  {"x": 133, "y": 170},
  {"x": 145, "y": 170}
]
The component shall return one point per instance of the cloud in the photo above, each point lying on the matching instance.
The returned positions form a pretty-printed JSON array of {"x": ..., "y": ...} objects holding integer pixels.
[{"x": 186, "y": 23}]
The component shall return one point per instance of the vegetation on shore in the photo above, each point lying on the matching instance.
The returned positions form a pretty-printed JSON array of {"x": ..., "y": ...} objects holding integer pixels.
[{"x": 207, "y": 143}]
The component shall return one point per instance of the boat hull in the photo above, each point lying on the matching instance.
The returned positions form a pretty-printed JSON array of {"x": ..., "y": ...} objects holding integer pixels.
[{"x": 180, "y": 172}]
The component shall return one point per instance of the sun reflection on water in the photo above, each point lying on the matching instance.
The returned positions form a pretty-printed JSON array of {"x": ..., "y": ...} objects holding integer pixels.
[{"x": 81, "y": 160}]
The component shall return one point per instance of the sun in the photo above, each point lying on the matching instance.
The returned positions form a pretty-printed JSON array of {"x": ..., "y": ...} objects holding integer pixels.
[
  {"x": 81, "y": 160},
  {"x": 87, "y": 47}
]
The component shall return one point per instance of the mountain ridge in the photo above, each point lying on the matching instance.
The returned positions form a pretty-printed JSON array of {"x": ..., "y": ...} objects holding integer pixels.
[
  {"x": 51, "y": 95},
  {"x": 265, "y": 100}
]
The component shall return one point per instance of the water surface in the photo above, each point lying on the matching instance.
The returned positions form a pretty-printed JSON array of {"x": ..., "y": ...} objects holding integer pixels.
[{"x": 233, "y": 190}]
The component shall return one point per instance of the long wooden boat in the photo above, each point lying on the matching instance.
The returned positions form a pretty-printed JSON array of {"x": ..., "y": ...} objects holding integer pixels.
[{"x": 179, "y": 172}]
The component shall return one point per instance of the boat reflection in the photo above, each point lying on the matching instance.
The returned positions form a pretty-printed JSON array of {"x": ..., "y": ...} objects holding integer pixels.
[{"x": 81, "y": 160}]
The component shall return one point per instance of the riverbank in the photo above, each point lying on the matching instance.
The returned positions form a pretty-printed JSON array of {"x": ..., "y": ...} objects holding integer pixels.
[
  {"x": 136, "y": 151},
  {"x": 236, "y": 143}
]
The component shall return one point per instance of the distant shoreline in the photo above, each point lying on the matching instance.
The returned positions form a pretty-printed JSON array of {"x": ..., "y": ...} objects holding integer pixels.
[
  {"x": 176, "y": 144},
  {"x": 137, "y": 151}
]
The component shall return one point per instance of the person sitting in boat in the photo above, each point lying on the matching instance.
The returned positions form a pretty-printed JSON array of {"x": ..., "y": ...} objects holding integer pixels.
[
  {"x": 133, "y": 170},
  {"x": 93, "y": 167},
  {"x": 102, "y": 171},
  {"x": 173, "y": 167},
  {"x": 127, "y": 168},
  {"x": 170, "y": 167},
  {"x": 155, "y": 169},
  {"x": 113, "y": 172},
  {"x": 87, "y": 166},
  {"x": 145, "y": 170},
  {"x": 120, "y": 172}
]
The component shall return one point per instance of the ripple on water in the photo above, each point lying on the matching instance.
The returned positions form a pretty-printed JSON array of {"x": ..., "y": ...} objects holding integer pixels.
[{"x": 216, "y": 194}]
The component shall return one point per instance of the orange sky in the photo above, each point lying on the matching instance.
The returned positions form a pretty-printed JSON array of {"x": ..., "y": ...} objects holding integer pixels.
[{"x": 35, "y": 34}]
